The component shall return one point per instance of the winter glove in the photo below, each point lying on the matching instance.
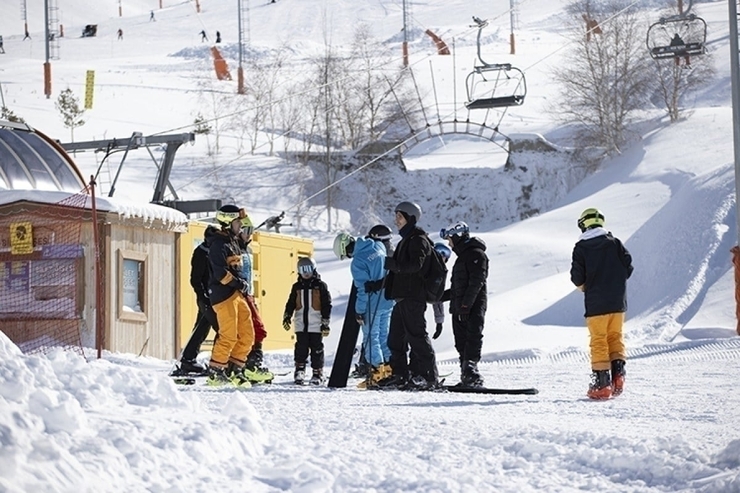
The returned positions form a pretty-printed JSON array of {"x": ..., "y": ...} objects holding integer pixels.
[
  {"x": 325, "y": 330},
  {"x": 390, "y": 264},
  {"x": 463, "y": 314},
  {"x": 438, "y": 331},
  {"x": 373, "y": 286},
  {"x": 245, "y": 288},
  {"x": 286, "y": 321},
  {"x": 360, "y": 319}
]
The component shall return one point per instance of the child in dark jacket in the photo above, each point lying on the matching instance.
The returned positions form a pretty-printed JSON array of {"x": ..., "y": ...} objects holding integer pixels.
[
  {"x": 600, "y": 268},
  {"x": 309, "y": 308}
]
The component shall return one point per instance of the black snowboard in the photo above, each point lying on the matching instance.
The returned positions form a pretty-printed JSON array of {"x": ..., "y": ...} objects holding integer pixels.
[
  {"x": 487, "y": 390},
  {"x": 346, "y": 347}
]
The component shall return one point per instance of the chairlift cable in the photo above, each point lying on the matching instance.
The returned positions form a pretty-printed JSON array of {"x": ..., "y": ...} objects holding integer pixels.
[{"x": 434, "y": 88}]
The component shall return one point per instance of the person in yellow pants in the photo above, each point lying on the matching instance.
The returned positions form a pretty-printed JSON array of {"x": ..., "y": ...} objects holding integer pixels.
[
  {"x": 600, "y": 268},
  {"x": 227, "y": 294}
]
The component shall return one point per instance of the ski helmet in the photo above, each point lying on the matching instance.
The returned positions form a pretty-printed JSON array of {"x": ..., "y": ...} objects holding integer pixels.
[
  {"x": 344, "y": 246},
  {"x": 226, "y": 215},
  {"x": 454, "y": 230},
  {"x": 410, "y": 209},
  {"x": 380, "y": 232},
  {"x": 590, "y": 218},
  {"x": 443, "y": 250},
  {"x": 306, "y": 266}
]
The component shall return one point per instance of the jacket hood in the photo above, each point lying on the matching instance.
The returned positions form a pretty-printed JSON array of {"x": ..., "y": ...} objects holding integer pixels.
[
  {"x": 472, "y": 242},
  {"x": 209, "y": 233},
  {"x": 364, "y": 246}
]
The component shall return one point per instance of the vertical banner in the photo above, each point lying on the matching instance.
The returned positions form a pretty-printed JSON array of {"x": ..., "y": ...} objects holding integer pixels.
[
  {"x": 21, "y": 238},
  {"x": 89, "y": 85}
]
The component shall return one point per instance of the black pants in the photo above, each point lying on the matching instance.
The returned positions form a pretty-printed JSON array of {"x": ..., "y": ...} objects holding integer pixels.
[
  {"x": 469, "y": 335},
  {"x": 204, "y": 321},
  {"x": 305, "y": 342},
  {"x": 409, "y": 330}
]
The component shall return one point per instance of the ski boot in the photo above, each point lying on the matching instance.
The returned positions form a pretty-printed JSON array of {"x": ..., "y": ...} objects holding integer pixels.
[
  {"x": 600, "y": 388},
  {"x": 469, "y": 375},
  {"x": 618, "y": 374},
  {"x": 255, "y": 374},
  {"x": 419, "y": 383},
  {"x": 299, "y": 377},
  {"x": 318, "y": 377},
  {"x": 217, "y": 377},
  {"x": 237, "y": 376},
  {"x": 189, "y": 368}
]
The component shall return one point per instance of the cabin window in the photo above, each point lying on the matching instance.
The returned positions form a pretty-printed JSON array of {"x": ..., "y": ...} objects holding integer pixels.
[{"x": 132, "y": 283}]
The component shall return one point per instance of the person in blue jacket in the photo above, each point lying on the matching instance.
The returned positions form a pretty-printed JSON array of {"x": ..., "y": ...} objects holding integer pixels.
[{"x": 371, "y": 307}]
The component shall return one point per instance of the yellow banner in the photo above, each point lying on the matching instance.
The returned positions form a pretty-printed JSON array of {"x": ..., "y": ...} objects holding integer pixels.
[
  {"x": 89, "y": 85},
  {"x": 21, "y": 238}
]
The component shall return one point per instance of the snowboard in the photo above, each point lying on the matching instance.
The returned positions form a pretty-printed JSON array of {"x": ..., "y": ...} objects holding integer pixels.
[
  {"x": 489, "y": 390},
  {"x": 346, "y": 347}
]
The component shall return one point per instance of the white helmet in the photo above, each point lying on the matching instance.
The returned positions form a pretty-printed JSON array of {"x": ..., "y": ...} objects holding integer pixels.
[{"x": 344, "y": 245}]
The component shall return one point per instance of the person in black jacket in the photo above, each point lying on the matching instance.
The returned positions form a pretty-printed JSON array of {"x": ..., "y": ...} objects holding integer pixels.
[
  {"x": 405, "y": 285},
  {"x": 309, "y": 308},
  {"x": 600, "y": 268},
  {"x": 468, "y": 299},
  {"x": 200, "y": 274}
]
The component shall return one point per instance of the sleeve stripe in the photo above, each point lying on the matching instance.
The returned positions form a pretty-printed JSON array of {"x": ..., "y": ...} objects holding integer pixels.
[{"x": 227, "y": 278}]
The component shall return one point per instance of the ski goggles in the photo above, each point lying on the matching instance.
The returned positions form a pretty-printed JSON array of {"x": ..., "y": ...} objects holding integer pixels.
[
  {"x": 305, "y": 270},
  {"x": 248, "y": 229},
  {"x": 457, "y": 229}
]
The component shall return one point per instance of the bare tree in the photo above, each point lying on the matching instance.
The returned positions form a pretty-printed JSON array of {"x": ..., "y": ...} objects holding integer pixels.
[
  {"x": 69, "y": 106},
  {"x": 606, "y": 78}
]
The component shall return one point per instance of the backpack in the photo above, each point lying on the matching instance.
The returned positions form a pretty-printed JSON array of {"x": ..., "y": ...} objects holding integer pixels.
[{"x": 435, "y": 275}]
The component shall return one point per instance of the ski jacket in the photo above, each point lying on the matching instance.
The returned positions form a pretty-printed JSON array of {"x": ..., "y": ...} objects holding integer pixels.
[
  {"x": 368, "y": 260},
  {"x": 200, "y": 270},
  {"x": 407, "y": 266},
  {"x": 469, "y": 274},
  {"x": 309, "y": 304},
  {"x": 601, "y": 266},
  {"x": 247, "y": 266},
  {"x": 225, "y": 259}
]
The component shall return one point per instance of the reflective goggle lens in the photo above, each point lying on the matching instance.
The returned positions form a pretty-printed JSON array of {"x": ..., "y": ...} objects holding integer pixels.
[
  {"x": 305, "y": 269},
  {"x": 248, "y": 230}
]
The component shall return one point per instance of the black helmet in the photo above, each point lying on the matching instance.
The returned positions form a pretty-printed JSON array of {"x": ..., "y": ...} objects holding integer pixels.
[
  {"x": 410, "y": 209},
  {"x": 380, "y": 232}
]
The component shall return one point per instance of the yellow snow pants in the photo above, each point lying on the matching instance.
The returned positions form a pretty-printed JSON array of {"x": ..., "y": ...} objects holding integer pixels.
[
  {"x": 607, "y": 343},
  {"x": 235, "y": 332}
]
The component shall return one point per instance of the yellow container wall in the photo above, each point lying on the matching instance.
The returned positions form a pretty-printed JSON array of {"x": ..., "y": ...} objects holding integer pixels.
[{"x": 275, "y": 258}]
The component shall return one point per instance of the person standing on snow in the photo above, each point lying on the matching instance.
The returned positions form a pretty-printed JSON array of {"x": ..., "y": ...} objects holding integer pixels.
[
  {"x": 151, "y": 16},
  {"x": 468, "y": 299},
  {"x": 206, "y": 318},
  {"x": 203, "y": 36},
  {"x": 600, "y": 268},
  {"x": 120, "y": 34},
  {"x": 227, "y": 293},
  {"x": 405, "y": 285},
  {"x": 368, "y": 273},
  {"x": 309, "y": 308}
]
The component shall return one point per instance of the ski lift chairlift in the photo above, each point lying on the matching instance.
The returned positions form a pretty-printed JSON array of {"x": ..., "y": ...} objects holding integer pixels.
[
  {"x": 691, "y": 30},
  {"x": 503, "y": 84}
]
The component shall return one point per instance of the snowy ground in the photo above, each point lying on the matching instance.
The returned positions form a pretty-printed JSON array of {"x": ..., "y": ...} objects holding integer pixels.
[{"x": 119, "y": 424}]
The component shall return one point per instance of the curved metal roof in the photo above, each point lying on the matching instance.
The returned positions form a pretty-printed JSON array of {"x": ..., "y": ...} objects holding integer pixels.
[{"x": 29, "y": 160}]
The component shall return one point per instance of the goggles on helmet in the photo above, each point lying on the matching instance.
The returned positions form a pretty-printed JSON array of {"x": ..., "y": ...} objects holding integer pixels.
[{"x": 456, "y": 229}]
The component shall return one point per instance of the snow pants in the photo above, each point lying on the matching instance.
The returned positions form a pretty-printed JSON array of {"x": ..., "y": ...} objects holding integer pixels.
[
  {"x": 409, "y": 329},
  {"x": 204, "y": 321},
  {"x": 375, "y": 329},
  {"x": 607, "y": 343},
  {"x": 469, "y": 334},
  {"x": 235, "y": 332},
  {"x": 306, "y": 342}
]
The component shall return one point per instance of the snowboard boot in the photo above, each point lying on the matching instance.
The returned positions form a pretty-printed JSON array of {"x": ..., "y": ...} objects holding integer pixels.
[
  {"x": 618, "y": 374},
  {"x": 470, "y": 376},
  {"x": 217, "y": 377},
  {"x": 318, "y": 377},
  {"x": 393, "y": 382},
  {"x": 601, "y": 385},
  {"x": 299, "y": 377}
]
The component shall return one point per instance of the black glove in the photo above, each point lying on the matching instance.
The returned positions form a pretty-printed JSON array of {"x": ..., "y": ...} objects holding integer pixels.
[
  {"x": 373, "y": 286},
  {"x": 360, "y": 319},
  {"x": 437, "y": 331},
  {"x": 325, "y": 330},
  {"x": 286, "y": 321},
  {"x": 390, "y": 264},
  {"x": 463, "y": 314}
]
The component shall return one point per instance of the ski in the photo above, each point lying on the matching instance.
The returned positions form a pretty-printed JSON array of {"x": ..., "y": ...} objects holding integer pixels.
[
  {"x": 184, "y": 380},
  {"x": 489, "y": 390}
]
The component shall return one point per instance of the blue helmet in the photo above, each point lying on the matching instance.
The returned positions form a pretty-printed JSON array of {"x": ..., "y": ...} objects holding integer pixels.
[{"x": 443, "y": 250}]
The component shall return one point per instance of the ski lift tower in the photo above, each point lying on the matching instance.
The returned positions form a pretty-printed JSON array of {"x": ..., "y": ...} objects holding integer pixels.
[
  {"x": 735, "y": 78},
  {"x": 243, "y": 21}
]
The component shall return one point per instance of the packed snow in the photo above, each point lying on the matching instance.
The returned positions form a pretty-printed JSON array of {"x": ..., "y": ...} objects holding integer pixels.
[{"x": 69, "y": 423}]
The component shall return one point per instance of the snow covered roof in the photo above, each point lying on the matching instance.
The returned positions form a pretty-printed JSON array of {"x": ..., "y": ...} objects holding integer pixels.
[{"x": 30, "y": 160}]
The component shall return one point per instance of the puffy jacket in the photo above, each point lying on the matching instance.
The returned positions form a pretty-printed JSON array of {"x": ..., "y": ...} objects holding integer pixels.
[
  {"x": 601, "y": 266},
  {"x": 200, "y": 270},
  {"x": 407, "y": 266},
  {"x": 368, "y": 261},
  {"x": 468, "y": 286},
  {"x": 225, "y": 257},
  {"x": 309, "y": 304}
]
